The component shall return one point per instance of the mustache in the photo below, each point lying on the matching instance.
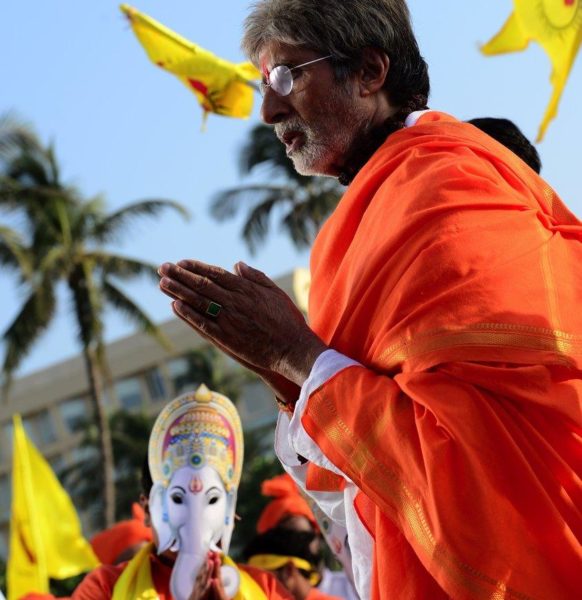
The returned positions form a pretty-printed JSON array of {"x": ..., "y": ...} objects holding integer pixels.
[{"x": 282, "y": 129}]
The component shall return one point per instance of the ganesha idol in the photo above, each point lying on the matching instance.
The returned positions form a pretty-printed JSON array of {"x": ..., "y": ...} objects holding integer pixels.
[{"x": 195, "y": 459}]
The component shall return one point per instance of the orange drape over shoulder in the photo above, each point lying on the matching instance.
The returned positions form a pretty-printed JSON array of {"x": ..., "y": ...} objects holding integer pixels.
[{"x": 452, "y": 272}]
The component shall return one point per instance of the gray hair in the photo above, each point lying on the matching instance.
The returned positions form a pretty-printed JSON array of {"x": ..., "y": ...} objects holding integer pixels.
[{"x": 344, "y": 28}]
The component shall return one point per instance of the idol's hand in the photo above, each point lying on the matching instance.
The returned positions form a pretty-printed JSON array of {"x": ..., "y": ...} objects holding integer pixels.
[
  {"x": 208, "y": 585},
  {"x": 244, "y": 314}
]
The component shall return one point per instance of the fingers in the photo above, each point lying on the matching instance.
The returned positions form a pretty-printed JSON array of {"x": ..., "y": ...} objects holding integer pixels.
[
  {"x": 243, "y": 270},
  {"x": 180, "y": 292},
  {"x": 219, "y": 276},
  {"x": 205, "y": 326},
  {"x": 193, "y": 281}
]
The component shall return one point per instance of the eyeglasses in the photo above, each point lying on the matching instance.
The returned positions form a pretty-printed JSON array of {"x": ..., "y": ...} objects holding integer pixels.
[{"x": 280, "y": 79}]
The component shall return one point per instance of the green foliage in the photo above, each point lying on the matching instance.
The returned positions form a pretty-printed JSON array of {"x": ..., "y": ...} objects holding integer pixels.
[
  {"x": 60, "y": 588},
  {"x": 301, "y": 203},
  {"x": 260, "y": 463},
  {"x": 216, "y": 371},
  {"x": 2, "y": 576},
  {"x": 84, "y": 480}
]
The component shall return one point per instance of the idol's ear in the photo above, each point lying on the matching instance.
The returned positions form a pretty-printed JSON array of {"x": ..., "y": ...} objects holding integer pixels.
[
  {"x": 228, "y": 521},
  {"x": 159, "y": 516}
]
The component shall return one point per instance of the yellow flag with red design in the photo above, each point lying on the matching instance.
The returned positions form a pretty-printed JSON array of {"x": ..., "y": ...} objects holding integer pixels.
[
  {"x": 222, "y": 87},
  {"x": 554, "y": 24},
  {"x": 45, "y": 533}
]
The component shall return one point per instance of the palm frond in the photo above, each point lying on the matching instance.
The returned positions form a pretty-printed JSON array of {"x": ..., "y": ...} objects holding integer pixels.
[
  {"x": 53, "y": 261},
  {"x": 116, "y": 223},
  {"x": 33, "y": 318},
  {"x": 256, "y": 226},
  {"x": 53, "y": 165},
  {"x": 122, "y": 267},
  {"x": 304, "y": 220},
  {"x": 118, "y": 300},
  {"x": 225, "y": 204},
  {"x": 263, "y": 149},
  {"x": 13, "y": 252},
  {"x": 29, "y": 169},
  {"x": 15, "y": 137}
]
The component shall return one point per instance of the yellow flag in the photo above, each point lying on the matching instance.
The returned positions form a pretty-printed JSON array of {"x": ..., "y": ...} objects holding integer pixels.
[
  {"x": 554, "y": 24},
  {"x": 222, "y": 87},
  {"x": 45, "y": 533}
]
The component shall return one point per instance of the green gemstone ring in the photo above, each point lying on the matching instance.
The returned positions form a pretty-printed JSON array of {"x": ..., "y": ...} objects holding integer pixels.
[{"x": 213, "y": 309}]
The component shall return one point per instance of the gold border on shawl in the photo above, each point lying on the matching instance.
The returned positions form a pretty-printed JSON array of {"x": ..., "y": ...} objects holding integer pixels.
[
  {"x": 479, "y": 585},
  {"x": 561, "y": 344}
]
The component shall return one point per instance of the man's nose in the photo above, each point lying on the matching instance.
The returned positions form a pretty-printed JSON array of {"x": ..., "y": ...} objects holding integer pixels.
[{"x": 275, "y": 108}]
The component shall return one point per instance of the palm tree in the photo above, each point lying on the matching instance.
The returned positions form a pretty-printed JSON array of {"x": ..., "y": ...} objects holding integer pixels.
[
  {"x": 64, "y": 242},
  {"x": 130, "y": 432},
  {"x": 303, "y": 203}
]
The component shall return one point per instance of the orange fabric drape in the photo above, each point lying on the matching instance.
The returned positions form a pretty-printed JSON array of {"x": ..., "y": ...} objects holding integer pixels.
[
  {"x": 109, "y": 544},
  {"x": 451, "y": 271}
]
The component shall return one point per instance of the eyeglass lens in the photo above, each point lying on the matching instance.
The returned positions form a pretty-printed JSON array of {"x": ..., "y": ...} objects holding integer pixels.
[{"x": 281, "y": 78}]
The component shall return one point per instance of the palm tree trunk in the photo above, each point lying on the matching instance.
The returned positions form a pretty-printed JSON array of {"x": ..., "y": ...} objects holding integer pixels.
[
  {"x": 87, "y": 315},
  {"x": 105, "y": 446}
]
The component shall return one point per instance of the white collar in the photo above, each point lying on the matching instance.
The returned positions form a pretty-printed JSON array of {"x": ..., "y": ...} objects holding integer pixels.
[{"x": 413, "y": 117}]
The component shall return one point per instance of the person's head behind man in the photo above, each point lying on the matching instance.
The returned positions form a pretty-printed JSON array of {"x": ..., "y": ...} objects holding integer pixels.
[
  {"x": 370, "y": 71},
  {"x": 506, "y": 132},
  {"x": 289, "y": 555}
]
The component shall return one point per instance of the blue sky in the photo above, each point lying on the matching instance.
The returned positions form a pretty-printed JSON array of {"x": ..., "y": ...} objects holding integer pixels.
[{"x": 130, "y": 131}]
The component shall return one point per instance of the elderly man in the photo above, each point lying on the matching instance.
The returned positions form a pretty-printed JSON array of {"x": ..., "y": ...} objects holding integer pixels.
[{"x": 432, "y": 405}]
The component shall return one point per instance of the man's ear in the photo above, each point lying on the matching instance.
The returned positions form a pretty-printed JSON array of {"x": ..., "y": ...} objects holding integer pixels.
[{"x": 373, "y": 71}]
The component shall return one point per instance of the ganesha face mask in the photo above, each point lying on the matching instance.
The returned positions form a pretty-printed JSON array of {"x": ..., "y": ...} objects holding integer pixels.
[{"x": 195, "y": 457}]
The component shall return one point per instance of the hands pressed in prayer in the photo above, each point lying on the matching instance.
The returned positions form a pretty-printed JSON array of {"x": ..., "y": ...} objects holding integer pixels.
[
  {"x": 255, "y": 322},
  {"x": 208, "y": 585}
]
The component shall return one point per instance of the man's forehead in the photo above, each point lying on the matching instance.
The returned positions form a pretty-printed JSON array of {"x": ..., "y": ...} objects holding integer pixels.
[{"x": 274, "y": 53}]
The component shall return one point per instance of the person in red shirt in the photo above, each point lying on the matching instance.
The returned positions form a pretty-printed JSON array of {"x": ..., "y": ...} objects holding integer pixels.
[{"x": 196, "y": 435}]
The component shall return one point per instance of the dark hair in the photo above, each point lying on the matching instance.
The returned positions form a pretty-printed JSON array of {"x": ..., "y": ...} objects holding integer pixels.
[
  {"x": 344, "y": 28},
  {"x": 285, "y": 542},
  {"x": 506, "y": 132},
  {"x": 146, "y": 478}
]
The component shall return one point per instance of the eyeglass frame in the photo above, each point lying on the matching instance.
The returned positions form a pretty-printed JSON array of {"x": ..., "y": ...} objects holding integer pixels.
[{"x": 285, "y": 69}]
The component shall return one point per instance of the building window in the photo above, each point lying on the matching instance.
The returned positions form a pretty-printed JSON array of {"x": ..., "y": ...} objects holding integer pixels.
[
  {"x": 6, "y": 443},
  {"x": 40, "y": 428},
  {"x": 129, "y": 393},
  {"x": 5, "y": 497},
  {"x": 3, "y": 545},
  {"x": 57, "y": 464},
  {"x": 256, "y": 405},
  {"x": 75, "y": 414},
  {"x": 156, "y": 385},
  {"x": 179, "y": 369},
  {"x": 83, "y": 454}
]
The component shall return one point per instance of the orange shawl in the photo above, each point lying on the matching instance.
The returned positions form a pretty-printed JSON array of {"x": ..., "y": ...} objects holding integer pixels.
[{"x": 453, "y": 273}]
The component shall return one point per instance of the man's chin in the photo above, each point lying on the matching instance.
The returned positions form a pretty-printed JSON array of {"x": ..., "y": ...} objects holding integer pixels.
[{"x": 310, "y": 167}]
